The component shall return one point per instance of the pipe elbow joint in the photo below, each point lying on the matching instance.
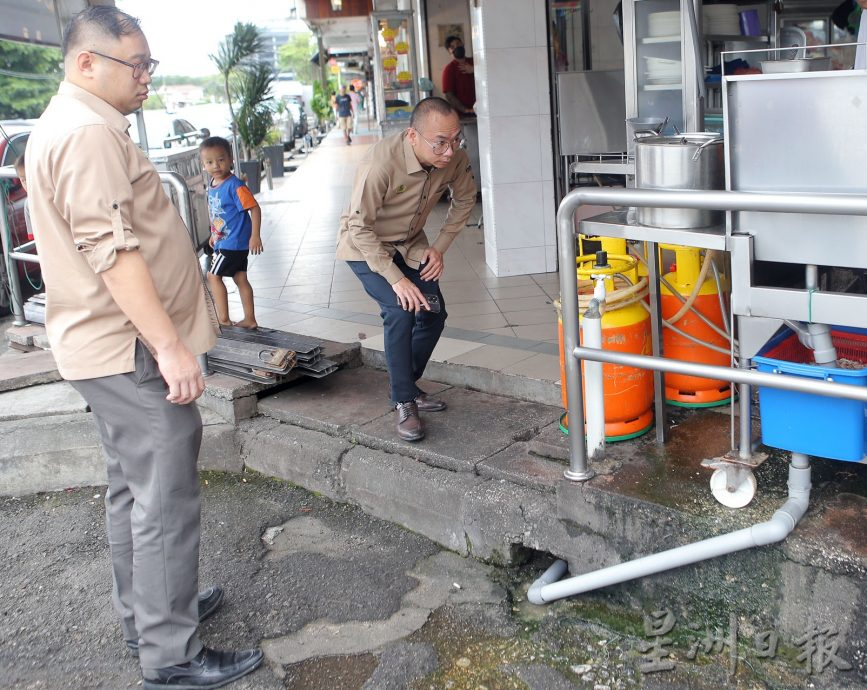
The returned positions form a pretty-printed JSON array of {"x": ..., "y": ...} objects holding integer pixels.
[
  {"x": 776, "y": 529},
  {"x": 534, "y": 594}
]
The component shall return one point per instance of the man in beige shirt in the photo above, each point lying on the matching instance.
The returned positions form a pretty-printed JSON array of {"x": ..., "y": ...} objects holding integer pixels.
[
  {"x": 382, "y": 238},
  {"x": 127, "y": 314}
]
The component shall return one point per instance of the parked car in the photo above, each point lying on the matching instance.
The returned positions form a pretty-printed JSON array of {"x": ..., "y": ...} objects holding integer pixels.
[
  {"x": 13, "y": 140},
  {"x": 299, "y": 114},
  {"x": 165, "y": 130},
  {"x": 284, "y": 121}
]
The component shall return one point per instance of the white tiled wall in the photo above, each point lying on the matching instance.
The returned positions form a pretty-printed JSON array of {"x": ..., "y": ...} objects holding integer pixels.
[{"x": 514, "y": 112}]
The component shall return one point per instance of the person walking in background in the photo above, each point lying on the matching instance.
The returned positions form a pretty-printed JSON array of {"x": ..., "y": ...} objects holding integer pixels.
[
  {"x": 458, "y": 82},
  {"x": 236, "y": 221},
  {"x": 127, "y": 313},
  {"x": 343, "y": 103},
  {"x": 356, "y": 106},
  {"x": 382, "y": 239}
]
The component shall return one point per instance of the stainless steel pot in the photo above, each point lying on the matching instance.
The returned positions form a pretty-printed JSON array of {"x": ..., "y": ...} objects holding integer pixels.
[
  {"x": 637, "y": 127},
  {"x": 685, "y": 161}
]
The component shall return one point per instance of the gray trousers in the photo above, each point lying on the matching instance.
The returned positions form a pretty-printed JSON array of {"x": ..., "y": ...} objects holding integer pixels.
[{"x": 152, "y": 508}]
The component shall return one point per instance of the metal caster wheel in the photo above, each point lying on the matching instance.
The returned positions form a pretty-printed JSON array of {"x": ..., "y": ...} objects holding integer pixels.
[{"x": 734, "y": 487}]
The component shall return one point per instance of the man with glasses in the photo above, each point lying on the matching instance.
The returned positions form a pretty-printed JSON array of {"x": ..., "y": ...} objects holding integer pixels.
[
  {"x": 383, "y": 240},
  {"x": 127, "y": 314}
]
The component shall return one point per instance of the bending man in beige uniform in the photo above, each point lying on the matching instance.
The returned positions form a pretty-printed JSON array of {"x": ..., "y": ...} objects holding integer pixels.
[
  {"x": 382, "y": 238},
  {"x": 127, "y": 315}
]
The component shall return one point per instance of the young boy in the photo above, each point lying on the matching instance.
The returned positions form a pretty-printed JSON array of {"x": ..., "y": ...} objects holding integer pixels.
[{"x": 235, "y": 223}]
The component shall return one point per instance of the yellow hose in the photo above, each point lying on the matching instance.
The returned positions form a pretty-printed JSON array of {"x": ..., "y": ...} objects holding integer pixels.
[
  {"x": 702, "y": 275},
  {"x": 616, "y": 299}
]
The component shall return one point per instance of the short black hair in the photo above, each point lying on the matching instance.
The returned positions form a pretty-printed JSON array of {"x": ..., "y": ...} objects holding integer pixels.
[
  {"x": 216, "y": 143},
  {"x": 103, "y": 19},
  {"x": 427, "y": 106},
  {"x": 451, "y": 39}
]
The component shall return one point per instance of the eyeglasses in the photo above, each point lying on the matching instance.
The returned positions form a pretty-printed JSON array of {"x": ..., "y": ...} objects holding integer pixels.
[
  {"x": 441, "y": 146},
  {"x": 138, "y": 68}
]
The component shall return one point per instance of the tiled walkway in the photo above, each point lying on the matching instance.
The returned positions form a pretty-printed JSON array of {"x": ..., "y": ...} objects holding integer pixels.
[{"x": 505, "y": 324}]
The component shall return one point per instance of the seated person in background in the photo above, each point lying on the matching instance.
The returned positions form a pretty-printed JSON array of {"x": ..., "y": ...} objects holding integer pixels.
[{"x": 459, "y": 85}]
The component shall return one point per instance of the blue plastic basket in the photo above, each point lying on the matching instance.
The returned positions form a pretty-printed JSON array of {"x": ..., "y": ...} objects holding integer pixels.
[{"x": 814, "y": 424}]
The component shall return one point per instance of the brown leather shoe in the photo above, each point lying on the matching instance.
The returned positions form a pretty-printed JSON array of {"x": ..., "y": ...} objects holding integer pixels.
[
  {"x": 426, "y": 403},
  {"x": 409, "y": 424}
]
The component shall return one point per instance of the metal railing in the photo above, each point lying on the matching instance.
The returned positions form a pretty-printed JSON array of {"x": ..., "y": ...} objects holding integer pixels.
[
  {"x": 835, "y": 204},
  {"x": 11, "y": 253}
]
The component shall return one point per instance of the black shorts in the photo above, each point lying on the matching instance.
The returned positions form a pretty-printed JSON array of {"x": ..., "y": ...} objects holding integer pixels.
[{"x": 228, "y": 262}]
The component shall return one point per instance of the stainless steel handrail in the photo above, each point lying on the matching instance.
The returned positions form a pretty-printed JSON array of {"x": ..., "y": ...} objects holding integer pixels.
[
  {"x": 10, "y": 253},
  {"x": 835, "y": 204}
]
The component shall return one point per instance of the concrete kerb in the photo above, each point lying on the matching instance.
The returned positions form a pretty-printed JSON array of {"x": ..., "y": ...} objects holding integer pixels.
[
  {"x": 424, "y": 499},
  {"x": 49, "y": 454},
  {"x": 480, "y": 379},
  {"x": 310, "y": 459}
]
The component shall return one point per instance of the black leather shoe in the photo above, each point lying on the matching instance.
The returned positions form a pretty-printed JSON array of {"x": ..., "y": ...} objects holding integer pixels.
[
  {"x": 209, "y": 601},
  {"x": 208, "y": 669},
  {"x": 425, "y": 403},
  {"x": 409, "y": 424}
]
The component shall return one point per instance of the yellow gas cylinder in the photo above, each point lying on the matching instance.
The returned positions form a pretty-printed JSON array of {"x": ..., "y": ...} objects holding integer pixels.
[
  {"x": 680, "y": 389},
  {"x": 628, "y": 391}
]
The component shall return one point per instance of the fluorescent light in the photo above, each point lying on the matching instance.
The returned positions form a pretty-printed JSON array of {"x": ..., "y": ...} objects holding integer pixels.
[{"x": 336, "y": 5}]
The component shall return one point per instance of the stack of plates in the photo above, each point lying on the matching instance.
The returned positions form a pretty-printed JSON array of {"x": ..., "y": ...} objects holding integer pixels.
[
  {"x": 662, "y": 71},
  {"x": 721, "y": 20},
  {"x": 663, "y": 24}
]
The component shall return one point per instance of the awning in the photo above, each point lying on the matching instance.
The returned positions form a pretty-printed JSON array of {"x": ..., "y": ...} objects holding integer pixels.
[{"x": 39, "y": 21}]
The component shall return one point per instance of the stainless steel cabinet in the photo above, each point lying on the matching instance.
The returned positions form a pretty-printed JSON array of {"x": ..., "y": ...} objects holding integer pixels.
[{"x": 663, "y": 62}]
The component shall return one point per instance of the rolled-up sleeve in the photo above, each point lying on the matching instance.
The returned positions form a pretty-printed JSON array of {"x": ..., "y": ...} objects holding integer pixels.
[
  {"x": 94, "y": 194},
  {"x": 369, "y": 190}
]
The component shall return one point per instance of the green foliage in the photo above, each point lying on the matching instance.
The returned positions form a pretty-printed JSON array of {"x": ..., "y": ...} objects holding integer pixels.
[
  {"x": 244, "y": 42},
  {"x": 29, "y": 76},
  {"x": 255, "y": 115},
  {"x": 321, "y": 102},
  {"x": 294, "y": 56},
  {"x": 248, "y": 82}
]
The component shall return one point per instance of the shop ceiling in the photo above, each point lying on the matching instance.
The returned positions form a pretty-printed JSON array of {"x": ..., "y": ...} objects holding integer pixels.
[{"x": 344, "y": 31}]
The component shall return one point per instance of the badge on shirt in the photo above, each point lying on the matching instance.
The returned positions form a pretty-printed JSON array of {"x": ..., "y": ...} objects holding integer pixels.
[{"x": 401, "y": 189}]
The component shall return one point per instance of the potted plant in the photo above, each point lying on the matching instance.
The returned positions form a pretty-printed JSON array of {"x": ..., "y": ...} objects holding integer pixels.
[
  {"x": 248, "y": 84},
  {"x": 272, "y": 150},
  {"x": 321, "y": 105},
  {"x": 255, "y": 117}
]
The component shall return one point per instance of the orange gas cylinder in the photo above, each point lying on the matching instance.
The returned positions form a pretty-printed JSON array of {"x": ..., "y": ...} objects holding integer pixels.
[
  {"x": 628, "y": 391},
  {"x": 680, "y": 389}
]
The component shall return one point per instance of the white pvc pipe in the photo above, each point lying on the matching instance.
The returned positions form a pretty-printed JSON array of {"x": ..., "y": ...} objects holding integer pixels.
[
  {"x": 591, "y": 325},
  {"x": 545, "y": 589}
]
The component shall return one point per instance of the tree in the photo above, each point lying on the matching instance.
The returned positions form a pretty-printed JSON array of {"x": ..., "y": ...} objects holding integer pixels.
[
  {"x": 234, "y": 55},
  {"x": 294, "y": 56},
  {"x": 255, "y": 116},
  {"x": 29, "y": 75}
]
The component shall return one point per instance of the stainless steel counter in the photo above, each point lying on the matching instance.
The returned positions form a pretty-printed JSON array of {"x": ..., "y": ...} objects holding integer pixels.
[{"x": 620, "y": 224}]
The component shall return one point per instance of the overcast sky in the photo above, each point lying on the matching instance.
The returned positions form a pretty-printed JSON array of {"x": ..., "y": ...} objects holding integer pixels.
[{"x": 182, "y": 33}]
